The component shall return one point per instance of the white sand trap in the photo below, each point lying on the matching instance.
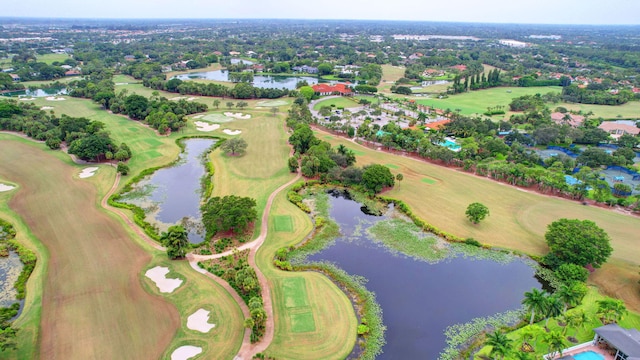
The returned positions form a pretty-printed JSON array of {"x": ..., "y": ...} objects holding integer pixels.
[
  {"x": 198, "y": 116},
  {"x": 119, "y": 84},
  {"x": 54, "y": 98},
  {"x": 231, "y": 132},
  {"x": 178, "y": 98},
  {"x": 191, "y": 98},
  {"x": 5, "y": 187},
  {"x": 237, "y": 115},
  {"x": 88, "y": 172},
  {"x": 185, "y": 352},
  {"x": 27, "y": 98},
  {"x": 158, "y": 275},
  {"x": 217, "y": 118},
  {"x": 204, "y": 126},
  {"x": 199, "y": 321},
  {"x": 46, "y": 108}
]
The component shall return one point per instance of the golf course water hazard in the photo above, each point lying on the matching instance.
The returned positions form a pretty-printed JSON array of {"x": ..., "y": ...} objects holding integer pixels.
[
  {"x": 172, "y": 195},
  {"x": 419, "y": 298},
  {"x": 260, "y": 81},
  {"x": 10, "y": 269}
]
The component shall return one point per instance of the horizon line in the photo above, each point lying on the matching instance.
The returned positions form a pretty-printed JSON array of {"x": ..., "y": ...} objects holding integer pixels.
[{"x": 301, "y": 19}]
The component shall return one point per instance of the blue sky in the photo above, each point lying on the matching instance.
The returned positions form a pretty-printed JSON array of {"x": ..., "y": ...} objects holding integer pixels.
[{"x": 502, "y": 11}]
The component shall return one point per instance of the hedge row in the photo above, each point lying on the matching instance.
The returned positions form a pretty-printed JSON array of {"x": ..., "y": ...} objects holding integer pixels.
[{"x": 29, "y": 259}]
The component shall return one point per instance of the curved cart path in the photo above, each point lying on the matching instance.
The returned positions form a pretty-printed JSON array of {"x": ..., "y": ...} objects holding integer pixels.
[{"x": 248, "y": 350}]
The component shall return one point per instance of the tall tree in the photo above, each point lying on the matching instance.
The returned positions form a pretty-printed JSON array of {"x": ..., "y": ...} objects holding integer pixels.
[
  {"x": 235, "y": 146},
  {"x": 579, "y": 242},
  {"x": 500, "y": 344},
  {"x": 476, "y": 212},
  {"x": 535, "y": 301},
  {"x": 176, "y": 241}
]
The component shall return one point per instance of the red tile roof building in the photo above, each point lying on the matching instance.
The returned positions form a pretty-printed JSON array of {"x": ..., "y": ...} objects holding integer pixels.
[
  {"x": 327, "y": 89},
  {"x": 616, "y": 129}
]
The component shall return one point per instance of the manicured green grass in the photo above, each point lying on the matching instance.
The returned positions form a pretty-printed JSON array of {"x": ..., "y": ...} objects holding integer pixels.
[
  {"x": 272, "y": 103},
  {"x": 429, "y": 181},
  {"x": 476, "y": 102},
  {"x": 283, "y": 223},
  {"x": 302, "y": 322},
  {"x": 51, "y": 58},
  {"x": 337, "y": 102},
  {"x": 518, "y": 218},
  {"x": 392, "y": 73},
  {"x": 629, "y": 110},
  {"x": 295, "y": 292},
  {"x": 392, "y": 166}
]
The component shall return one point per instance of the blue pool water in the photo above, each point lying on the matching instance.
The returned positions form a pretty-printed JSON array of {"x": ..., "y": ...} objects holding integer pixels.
[
  {"x": 450, "y": 144},
  {"x": 589, "y": 355}
]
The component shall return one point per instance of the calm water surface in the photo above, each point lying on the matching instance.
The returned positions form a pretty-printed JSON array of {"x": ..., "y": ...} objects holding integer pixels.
[
  {"x": 260, "y": 81},
  {"x": 173, "y": 193},
  {"x": 420, "y": 300}
]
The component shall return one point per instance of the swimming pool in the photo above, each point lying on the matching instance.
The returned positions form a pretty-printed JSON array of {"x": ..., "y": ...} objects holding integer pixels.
[
  {"x": 588, "y": 355},
  {"x": 450, "y": 144}
]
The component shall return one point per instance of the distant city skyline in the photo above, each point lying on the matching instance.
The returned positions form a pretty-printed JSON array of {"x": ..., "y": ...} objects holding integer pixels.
[{"x": 596, "y": 12}]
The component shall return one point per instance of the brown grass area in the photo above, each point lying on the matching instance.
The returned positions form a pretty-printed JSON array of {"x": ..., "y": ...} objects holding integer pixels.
[
  {"x": 93, "y": 303},
  {"x": 518, "y": 218}
]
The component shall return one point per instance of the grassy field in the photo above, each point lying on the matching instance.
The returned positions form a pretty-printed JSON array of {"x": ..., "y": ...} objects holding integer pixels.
[
  {"x": 313, "y": 317},
  {"x": 337, "y": 102},
  {"x": 321, "y": 322},
  {"x": 586, "y": 333},
  {"x": 476, "y": 102},
  {"x": 91, "y": 289},
  {"x": 200, "y": 292},
  {"x": 518, "y": 218},
  {"x": 51, "y": 58}
]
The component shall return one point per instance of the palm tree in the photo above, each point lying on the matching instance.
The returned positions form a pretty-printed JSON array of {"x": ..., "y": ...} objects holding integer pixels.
[
  {"x": 576, "y": 319},
  {"x": 553, "y": 308},
  {"x": 500, "y": 344},
  {"x": 569, "y": 295},
  {"x": 555, "y": 341},
  {"x": 535, "y": 301},
  {"x": 611, "y": 310}
]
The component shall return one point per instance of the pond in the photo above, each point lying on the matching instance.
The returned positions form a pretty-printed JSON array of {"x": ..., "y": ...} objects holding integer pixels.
[
  {"x": 52, "y": 91},
  {"x": 235, "y": 61},
  {"x": 10, "y": 269},
  {"x": 260, "y": 81},
  {"x": 172, "y": 194},
  {"x": 421, "y": 298}
]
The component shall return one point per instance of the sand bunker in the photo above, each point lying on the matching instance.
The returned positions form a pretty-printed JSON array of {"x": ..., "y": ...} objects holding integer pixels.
[
  {"x": 185, "y": 352},
  {"x": 191, "y": 98},
  {"x": 166, "y": 285},
  {"x": 237, "y": 115},
  {"x": 271, "y": 103},
  {"x": 199, "y": 321},
  {"x": 88, "y": 172},
  {"x": 118, "y": 84},
  {"x": 27, "y": 98},
  {"x": 198, "y": 116},
  {"x": 204, "y": 126},
  {"x": 5, "y": 187},
  {"x": 46, "y": 108},
  {"x": 231, "y": 132},
  {"x": 54, "y": 98},
  {"x": 178, "y": 98},
  {"x": 217, "y": 118}
]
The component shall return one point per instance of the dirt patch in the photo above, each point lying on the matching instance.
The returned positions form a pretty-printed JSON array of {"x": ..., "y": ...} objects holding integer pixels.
[
  {"x": 87, "y": 172},
  {"x": 205, "y": 126},
  {"x": 185, "y": 352},
  {"x": 231, "y": 132},
  {"x": 199, "y": 321},
  {"x": 5, "y": 187},
  {"x": 158, "y": 275}
]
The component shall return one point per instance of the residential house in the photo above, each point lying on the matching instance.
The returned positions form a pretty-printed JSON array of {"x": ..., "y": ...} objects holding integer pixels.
[
  {"x": 460, "y": 67},
  {"x": 129, "y": 58},
  {"x": 15, "y": 77},
  {"x": 305, "y": 69},
  {"x": 621, "y": 343},
  {"x": 617, "y": 129},
  {"x": 327, "y": 89},
  {"x": 437, "y": 125},
  {"x": 567, "y": 118},
  {"x": 73, "y": 72}
]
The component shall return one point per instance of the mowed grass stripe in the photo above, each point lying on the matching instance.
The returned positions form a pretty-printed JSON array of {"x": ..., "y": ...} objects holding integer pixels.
[
  {"x": 93, "y": 304},
  {"x": 283, "y": 223},
  {"x": 295, "y": 292}
]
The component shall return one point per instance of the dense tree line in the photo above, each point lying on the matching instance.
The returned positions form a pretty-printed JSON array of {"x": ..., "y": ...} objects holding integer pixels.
[{"x": 85, "y": 138}]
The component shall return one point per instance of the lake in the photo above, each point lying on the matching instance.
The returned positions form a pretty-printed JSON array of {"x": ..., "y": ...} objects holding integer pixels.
[
  {"x": 171, "y": 194},
  {"x": 53, "y": 91},
  {"x": 10, "y": 269},
  {"x": 260, "y": 81},
  {"x": 419, "y": 298}
]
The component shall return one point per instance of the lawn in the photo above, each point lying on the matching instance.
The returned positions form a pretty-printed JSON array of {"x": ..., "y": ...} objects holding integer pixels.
[
  {"x": 283, "y": 223},
  {"x": 337, "y": 102},
  {"x": 476, "y": 102},
  {"x": 584, "y": 334},
  {"x": 313, "y": 317},
  {"x": 51, "y": 58},
  {"x": 518, "y": 218},
  {"x": 91, "y": 288},
  {"x": 392, "y": 73}
]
